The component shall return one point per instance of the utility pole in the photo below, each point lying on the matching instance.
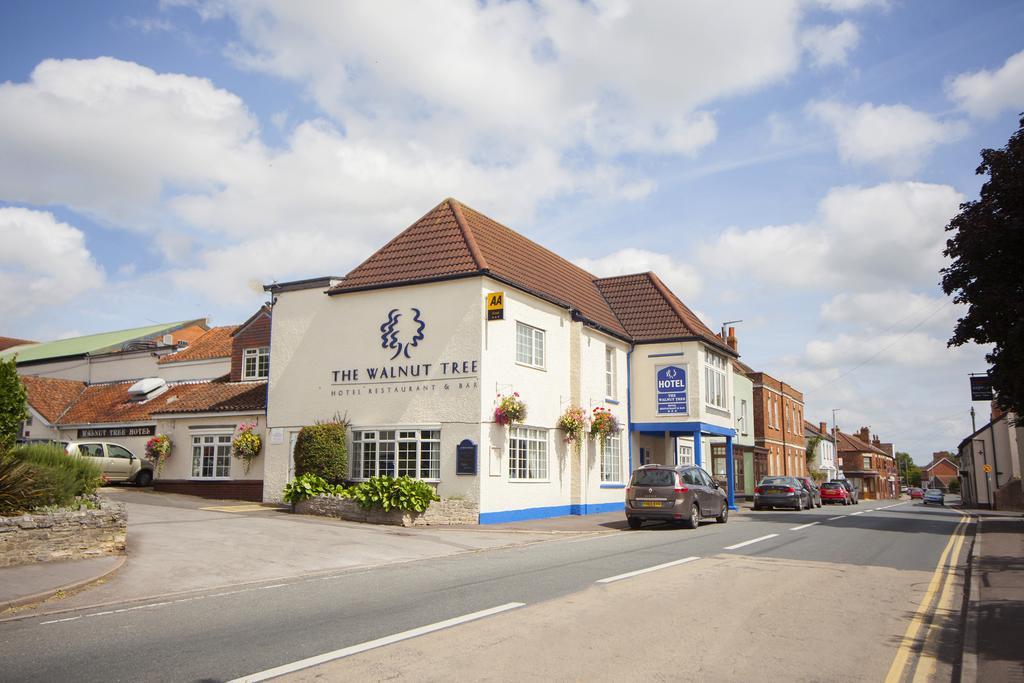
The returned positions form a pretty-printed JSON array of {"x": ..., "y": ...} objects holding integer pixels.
[
  {"x": 835, "y": 439},
  {"x": 974, "y": 428}
]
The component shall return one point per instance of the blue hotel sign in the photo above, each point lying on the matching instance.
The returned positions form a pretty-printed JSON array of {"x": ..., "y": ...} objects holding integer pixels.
[{"x": 671, "y": 380}]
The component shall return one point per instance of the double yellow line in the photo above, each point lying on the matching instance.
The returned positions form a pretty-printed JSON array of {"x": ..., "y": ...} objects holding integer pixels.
[{"x": 944, "y": 576}]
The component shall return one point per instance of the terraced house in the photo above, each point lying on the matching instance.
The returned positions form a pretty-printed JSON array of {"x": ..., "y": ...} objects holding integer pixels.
[
  {"x": 420, "y": 343},
  {"x": 868, "y": 463},
  {"x": 779, "y": 425}
]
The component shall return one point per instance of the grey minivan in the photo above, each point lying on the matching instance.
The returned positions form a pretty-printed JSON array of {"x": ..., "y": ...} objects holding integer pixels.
[{"x": 661, "y": 493}]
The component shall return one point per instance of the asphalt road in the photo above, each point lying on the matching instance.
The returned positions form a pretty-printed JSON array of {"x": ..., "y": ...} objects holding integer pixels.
[{"x": 227, "y": 633}]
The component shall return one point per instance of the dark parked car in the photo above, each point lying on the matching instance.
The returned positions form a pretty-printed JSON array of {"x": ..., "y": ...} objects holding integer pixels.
[
  {"x": 850, "y": 489},
  {"x": 813, "y": 488},
  {"x": 782, "y": 492},
  {"x": 834, "y": 492},
  {"x": 660, "y": 493}
]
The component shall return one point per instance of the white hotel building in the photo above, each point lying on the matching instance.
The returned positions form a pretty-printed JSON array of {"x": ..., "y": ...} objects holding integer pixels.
[{"x": 403, "y": 348}]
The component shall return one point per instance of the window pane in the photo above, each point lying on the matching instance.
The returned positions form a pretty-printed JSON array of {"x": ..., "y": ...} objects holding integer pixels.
[
  {"x": 407, "y": 458},
  {"x": 430, "y": 460}
]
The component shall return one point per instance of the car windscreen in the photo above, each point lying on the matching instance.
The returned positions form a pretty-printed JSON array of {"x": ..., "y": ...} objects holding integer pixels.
[
  {"x": 831, "y": 485},
  {"x": 654, "y": 477},
  {"x": 777, "y": 481}
]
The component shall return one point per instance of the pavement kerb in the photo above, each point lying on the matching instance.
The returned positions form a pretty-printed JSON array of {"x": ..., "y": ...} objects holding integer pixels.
[
  {"x": 969, "y": 654},
  {"x": 50, "y": 592},
  {"x": 292, "y": 578}
]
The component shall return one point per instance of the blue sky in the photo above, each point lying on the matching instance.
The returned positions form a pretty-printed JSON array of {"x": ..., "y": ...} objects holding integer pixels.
[{"x": 791, "y": 164}]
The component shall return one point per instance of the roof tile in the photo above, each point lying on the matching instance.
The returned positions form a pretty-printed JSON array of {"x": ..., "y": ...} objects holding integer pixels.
[
  {"x": 215, "y": 343},
  {"x": 50, "y": 396}
]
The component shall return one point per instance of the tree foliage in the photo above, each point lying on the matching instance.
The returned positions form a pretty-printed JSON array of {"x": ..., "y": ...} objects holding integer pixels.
[
  {"x": 13, "y": 402},
  {"x": 986, "y": 273},
  {"x": 321, "y": 449},
  {"x": 909, "y": 472}
]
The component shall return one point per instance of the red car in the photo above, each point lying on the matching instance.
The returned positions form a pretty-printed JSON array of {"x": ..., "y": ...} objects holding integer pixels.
[
  {"x": 916, "y": 493},
  {"x": 834, "y": 492}
]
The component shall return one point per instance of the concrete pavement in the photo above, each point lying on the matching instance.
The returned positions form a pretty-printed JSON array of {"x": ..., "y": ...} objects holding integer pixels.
[
  {"x": 231, "y": 632},
  {"x": 30, "y": 583}
]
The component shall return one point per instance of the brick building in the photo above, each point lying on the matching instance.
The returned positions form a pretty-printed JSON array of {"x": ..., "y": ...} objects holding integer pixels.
[
  {"x": 869, "y": 464},
  {"x": 941, "y": 471},
  {"x": 779, "y": 425}
]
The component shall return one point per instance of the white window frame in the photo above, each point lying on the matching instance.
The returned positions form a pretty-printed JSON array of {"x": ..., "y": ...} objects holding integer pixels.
[
  {"x": 531, "y": 345},
  {"x": 611, "y": 375},
  {"x": 611, "y": 459},
  {"x": 260, "y": 357},
  {"x": 528, "y": 454},
  {"x": 220, "y": 465},
  {"x": 412, "y": 451},
  {"x": 716, "y": 376},
  {"x": 742, "y": 418}
]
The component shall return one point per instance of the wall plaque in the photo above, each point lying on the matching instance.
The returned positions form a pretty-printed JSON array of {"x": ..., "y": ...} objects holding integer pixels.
[{"x": 465, "y": 457}]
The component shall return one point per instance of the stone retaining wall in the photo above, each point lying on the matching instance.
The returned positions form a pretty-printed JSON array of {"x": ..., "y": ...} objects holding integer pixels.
[
  {"x": 64, "y": 535},
  {"x": 447, "y": 512}
]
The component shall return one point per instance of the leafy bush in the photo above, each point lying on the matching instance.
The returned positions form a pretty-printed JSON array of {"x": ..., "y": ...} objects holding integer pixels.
[
  {"x": 37, "y": 475},
  {"x": 389, "y": 493},
  {"x": 322, "y": 450},
  {"x": 20, "y": 485},
  {"x": 13, "y": 402},
  {"x": 310, "y": 485}
]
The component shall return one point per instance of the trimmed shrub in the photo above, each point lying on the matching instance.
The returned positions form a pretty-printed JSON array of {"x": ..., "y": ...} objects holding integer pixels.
[
  {"x": 13, "y": 402},
  {"x": 322, "y": 450}
]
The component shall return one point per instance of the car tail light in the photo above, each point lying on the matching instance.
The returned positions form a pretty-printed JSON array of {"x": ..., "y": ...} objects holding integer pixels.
[
  {"x": 790, "y": 489},
  {"x": 681, "y": 489},
  {"x": 757, "y": 489}
]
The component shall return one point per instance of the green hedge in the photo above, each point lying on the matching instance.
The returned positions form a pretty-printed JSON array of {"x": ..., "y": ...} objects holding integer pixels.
[{"x": 322, "y": 450}]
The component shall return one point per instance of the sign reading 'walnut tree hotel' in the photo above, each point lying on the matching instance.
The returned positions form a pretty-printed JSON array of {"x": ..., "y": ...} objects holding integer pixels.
[{"x": 671, "y": 382}]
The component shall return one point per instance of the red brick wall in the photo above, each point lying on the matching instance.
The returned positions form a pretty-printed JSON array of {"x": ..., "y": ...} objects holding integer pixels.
[
  {"x": 256, "y": 333},
  {"x": 771, "y": 433}
]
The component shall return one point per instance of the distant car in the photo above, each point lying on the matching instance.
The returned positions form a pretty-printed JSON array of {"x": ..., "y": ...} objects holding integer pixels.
[
  {"x": 850, "y": 489},
  {"x": 904, "y": 489},
  {"x": 116, "y": 462},
  {"x": 659, "y": 493},
  {"x": 834, "y": 492},
  {"x": 782, "y": 492},
  {"x": 916, "y": 492},
  {"x": 814, "y": 489},
  {"x": 934, "y": 496}
]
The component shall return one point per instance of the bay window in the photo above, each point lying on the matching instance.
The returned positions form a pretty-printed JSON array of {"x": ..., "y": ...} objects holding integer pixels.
[{"x": 714, "y": 380}]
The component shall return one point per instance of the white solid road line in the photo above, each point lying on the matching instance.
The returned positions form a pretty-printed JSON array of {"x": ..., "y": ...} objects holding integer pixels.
[
  {"x": 803, "y": 526},
  {"x": 755, "y": 540},
  {"x": 370, "y": 645},
  {"x": 655, "y": 568}
]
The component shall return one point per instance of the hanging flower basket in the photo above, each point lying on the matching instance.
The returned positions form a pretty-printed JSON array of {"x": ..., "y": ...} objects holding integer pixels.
[
  {"x": 158, "y": 449},
  {"x": 603, "y": 424},
  {"x": 574, "y": 423},
  {"x": 246, "y": 444},
  {"x": 511, "y": 410}
]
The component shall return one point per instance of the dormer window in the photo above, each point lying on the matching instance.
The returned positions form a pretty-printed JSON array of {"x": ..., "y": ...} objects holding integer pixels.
[{"x": 256, "y": 363}]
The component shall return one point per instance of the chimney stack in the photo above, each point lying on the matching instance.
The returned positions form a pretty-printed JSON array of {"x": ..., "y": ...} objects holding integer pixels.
[
  {"x": 823, "y": 428},
  {"x": 732, "y": 341},
  {"x": 864, "y": 434}
]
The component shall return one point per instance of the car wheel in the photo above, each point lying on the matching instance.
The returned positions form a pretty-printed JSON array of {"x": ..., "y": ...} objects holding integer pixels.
[
  {"x": 693, "y": 520},
  {"x": 634, "y": 523},
  {"x": 800, "y": 505},
  {"x": 144, "y": 478},
  {"x": 724, "y": 517}
]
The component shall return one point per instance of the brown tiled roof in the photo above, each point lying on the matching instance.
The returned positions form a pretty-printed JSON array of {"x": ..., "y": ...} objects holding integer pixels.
[
  {"x": 218, "y": 396},
  {"x": 109, "y": 403},
  {"x": 264, "y": 310},
  {"x": 50, "y": 396},
  {"x": 8, "y": 342},
  {"x": 849, "y": 442},
  {"x": 215, "y": 343},
  {"x": 650, "y": 312},
  {"x": 453, "y": 240}
]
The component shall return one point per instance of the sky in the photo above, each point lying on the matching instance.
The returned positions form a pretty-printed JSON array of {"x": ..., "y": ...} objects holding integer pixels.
[{"x": 791, "y": 164}]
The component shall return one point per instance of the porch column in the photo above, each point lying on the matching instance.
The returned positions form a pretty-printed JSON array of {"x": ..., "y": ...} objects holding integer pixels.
[
  {"x": 730, "y": 473},
  {"x": 697, "y": 459}
]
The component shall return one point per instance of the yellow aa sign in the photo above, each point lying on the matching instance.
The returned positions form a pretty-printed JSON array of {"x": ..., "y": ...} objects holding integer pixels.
[{"x": 496, "y": 306}]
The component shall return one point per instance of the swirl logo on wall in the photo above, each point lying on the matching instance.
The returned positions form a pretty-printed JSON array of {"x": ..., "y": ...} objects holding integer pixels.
[{"x": 402, "y": 332}]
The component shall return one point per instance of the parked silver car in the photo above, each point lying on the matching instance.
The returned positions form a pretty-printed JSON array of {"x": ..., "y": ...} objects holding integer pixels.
[
  {"x": 664, "y": 494},
  {"x": 934, "y": 496},
  {"x": 117, "y": 462}
]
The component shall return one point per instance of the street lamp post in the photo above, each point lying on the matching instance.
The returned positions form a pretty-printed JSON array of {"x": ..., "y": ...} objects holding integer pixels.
[{"x": 835, "y": 439}]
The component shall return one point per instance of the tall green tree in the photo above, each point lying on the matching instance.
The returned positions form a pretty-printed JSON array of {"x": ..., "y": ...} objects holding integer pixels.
[
  {"x": 13, "y": 403},
  {"x": 909, "y": 472},
  {"x": 986, "y": 273}
]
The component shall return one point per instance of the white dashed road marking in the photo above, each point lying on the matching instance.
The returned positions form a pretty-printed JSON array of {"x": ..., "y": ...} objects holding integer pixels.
[
  {"x": 619, "y": 577},
  {"x": 803, "y": 526},
  {"x": 745, "y": 543}
]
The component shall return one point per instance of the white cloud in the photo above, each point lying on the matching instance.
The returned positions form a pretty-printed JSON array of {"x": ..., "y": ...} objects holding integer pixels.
[
  {"x": 892, "y": 233},
  {"x": 43, "y": 262},
  {"x": 682, "y": 279},
  {"x": 892, "y": 311},
  {"x": 894, "y": 137},
  {"x": 986, "y": 93},
  {"x": 909, "y": 349},
  {"x": 830, "y": 46}
]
